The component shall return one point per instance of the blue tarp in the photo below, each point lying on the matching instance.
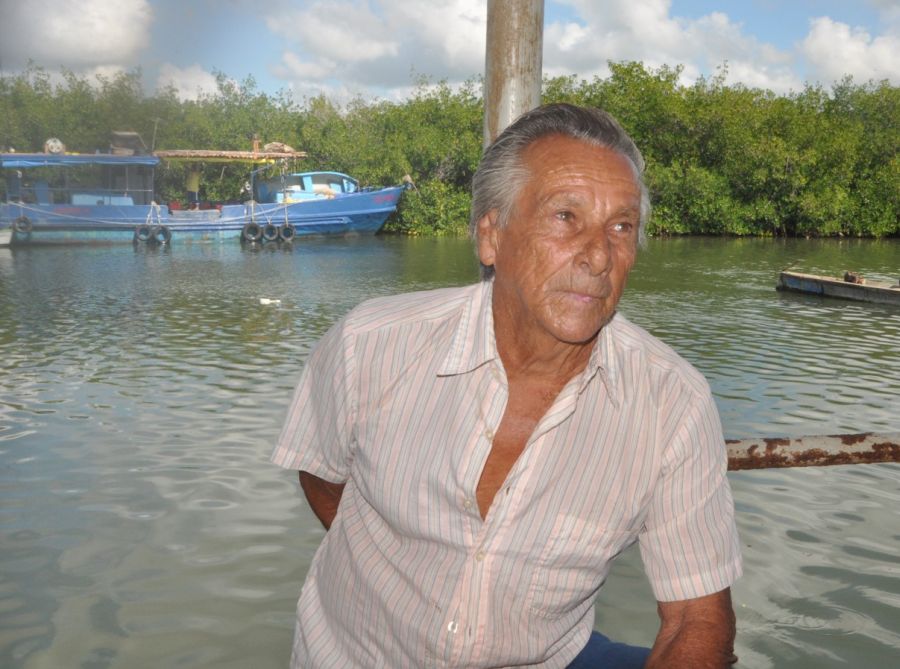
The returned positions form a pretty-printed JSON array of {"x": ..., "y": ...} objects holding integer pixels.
[{"x": 27, "y": 160}]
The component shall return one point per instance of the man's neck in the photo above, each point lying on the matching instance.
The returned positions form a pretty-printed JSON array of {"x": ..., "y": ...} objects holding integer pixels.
[{"x": 538, "y": 355}]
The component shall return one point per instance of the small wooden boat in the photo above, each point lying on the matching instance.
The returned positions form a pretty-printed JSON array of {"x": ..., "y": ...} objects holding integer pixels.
[{"x": 851, "y": 287}]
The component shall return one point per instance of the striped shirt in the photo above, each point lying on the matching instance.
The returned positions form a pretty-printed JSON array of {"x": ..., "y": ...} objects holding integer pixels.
[{"x": 400, "y": 400}]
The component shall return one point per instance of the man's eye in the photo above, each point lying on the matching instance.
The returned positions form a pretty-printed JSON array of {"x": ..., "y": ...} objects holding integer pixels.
[
  {"x": 565, "y": 215},
  {"x": 623, "y": 226}
]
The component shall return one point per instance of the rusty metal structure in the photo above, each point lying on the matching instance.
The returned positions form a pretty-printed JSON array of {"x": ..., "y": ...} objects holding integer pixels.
[
  {"x": 816, "y": 451},
  {"x": 512, "y": 68}
]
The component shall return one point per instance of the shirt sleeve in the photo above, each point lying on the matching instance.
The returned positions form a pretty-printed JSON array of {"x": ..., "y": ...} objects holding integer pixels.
[
  {"x": 318, "y": 435},
  {"x": 689, "y": 543}
]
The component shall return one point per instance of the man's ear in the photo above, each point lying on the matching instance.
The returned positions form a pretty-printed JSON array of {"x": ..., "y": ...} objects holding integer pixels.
[{"x": 488, "y": 237}]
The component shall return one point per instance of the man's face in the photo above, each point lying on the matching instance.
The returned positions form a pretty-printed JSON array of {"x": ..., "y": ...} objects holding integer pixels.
[{"x": 562, "y": 259}]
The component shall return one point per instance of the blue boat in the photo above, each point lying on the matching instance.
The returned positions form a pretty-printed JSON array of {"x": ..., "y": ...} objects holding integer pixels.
[{"x": 104, "y": 198}]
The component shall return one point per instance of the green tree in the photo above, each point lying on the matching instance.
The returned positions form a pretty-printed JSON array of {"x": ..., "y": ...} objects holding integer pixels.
[{"x": 721, "y": 159}]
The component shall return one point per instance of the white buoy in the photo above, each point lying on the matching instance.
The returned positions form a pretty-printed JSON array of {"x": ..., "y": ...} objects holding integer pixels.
[{"x": 269, "y": 300}]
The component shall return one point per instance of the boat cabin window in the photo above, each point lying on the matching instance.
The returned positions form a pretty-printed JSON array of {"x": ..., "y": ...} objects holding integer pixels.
[
  {"x": 304, "y": 186},
  {"x": 42, "y": 193},
  {"x": 82, "y": 185},
  {"x": 336, "y": 183}
]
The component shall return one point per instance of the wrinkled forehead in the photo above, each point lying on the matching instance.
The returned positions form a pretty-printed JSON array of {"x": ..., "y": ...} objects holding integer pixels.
[
  {"x": 559, "y": 151},
  {"x": 557, "y": 160}
]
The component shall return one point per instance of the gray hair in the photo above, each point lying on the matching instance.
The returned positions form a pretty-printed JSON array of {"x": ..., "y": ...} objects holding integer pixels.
[{"x": 501, "y": 173}]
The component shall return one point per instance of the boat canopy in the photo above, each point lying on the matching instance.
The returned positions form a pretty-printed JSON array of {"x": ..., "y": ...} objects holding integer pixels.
[
  {"x": 29, "y": 160},
  {"x": 213, "y": 156}
]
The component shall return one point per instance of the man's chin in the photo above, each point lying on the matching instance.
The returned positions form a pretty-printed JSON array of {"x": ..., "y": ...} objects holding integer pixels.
[{"x": 581, "y": 334}]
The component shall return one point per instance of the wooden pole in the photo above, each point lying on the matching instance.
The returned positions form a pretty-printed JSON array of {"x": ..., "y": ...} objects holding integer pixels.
[
  {"x": 512, "y": 79},
  {"x": 837, "y": 449}
]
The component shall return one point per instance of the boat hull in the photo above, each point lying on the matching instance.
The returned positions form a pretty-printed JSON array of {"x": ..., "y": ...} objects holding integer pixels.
[
  {"x": 878, "y": 292},
  {"x": 359, "y": 213}
]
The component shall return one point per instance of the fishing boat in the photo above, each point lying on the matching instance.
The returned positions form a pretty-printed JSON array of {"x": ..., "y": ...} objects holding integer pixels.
[
  {"x": 851, "y": 287},
  {"x": 284, "y": 204},
  {"x": 61, "y": 197}
]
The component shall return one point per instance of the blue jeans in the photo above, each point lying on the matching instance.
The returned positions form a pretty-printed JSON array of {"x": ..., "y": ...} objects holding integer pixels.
[{"x": 601, "y": 653}]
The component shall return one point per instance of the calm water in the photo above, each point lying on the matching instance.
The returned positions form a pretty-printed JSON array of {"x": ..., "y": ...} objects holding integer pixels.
[{"x": 141, "y": 392}]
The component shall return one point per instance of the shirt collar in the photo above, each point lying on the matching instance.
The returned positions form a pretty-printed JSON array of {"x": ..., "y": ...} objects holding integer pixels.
[
  {"x": 473, "y": 344},
  {"x": 605, "y": 363}
]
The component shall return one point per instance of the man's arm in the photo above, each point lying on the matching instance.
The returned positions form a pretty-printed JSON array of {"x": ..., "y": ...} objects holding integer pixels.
[
  {"x": 323, "y": 496},
  {"x": 695, "y": 634}
]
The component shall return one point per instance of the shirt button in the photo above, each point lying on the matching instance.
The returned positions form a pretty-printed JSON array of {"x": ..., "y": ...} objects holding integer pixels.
[
  {"x": 453, "y": 627},
  {"x": 479, "y": 556},
  {"x": 489, "y": 435},
  {"x": 467, "y": 503}
]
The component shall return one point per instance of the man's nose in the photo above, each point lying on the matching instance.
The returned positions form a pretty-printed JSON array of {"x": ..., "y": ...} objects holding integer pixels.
[{"x": 593, "y": 253}]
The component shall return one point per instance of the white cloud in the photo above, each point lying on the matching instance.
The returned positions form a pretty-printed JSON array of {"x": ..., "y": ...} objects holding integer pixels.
[
  {"x": 834, "y": 49},
  {"x": 619, "y": 30},
  {"x": 339, "y": 31},
  {"x": 445, "y": 39},
  {"x": 108, "y": 72},
  {"x": 719, "y": 41},
  {"x": 79, "y": 35},
  {"x": 455, "y": 29},
  {"x": 613, "y": 30},
  {"x": 890, "y": 9},
  {"x": 189, "y": 82},
  {"x": 293, "y": 68},
  {"x": 378, "y": 45},
  {"x": 750, "y": 74},
  {"x": 568, "y": 36}
]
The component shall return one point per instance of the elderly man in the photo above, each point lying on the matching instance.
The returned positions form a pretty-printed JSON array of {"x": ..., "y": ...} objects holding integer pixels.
[{"x": 481, "y": 454}]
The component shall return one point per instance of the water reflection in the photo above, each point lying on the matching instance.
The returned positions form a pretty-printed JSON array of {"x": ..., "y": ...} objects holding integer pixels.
[
  {"x": 779, "y": 363},
  {"x": 142, "y": 389}
]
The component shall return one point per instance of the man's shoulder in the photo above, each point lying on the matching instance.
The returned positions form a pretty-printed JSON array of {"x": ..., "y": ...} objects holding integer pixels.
[
  {"x": 396, "y": 311},
  {"x": 633, "y": 341}
]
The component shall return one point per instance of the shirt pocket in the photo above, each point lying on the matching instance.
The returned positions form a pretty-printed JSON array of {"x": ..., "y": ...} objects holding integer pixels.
[{"x": 574, "y": 564}]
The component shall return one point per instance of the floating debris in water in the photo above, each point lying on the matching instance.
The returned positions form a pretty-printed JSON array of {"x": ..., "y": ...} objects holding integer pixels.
[{"x": 269, "y": 300}]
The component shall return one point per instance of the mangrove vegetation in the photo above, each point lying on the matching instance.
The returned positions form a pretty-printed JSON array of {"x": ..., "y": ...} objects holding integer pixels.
[{"x": 721, "y": 159}]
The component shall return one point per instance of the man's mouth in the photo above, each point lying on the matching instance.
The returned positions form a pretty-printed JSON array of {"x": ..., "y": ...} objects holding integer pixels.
[{"x": 586, "y": 296}]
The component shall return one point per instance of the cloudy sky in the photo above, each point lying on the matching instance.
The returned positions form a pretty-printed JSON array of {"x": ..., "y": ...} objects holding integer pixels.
[{"x": 378, "y": 48}]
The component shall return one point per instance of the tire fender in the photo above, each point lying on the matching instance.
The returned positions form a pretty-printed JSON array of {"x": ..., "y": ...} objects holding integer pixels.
[
  {"x": 22, "y": 225},
  {"x": 287, "y": 232},
  {"x": 270, "y": 232},
  {"x": 161, "y": 234},
  {"x": 252, "y": 232},
  {"x": 143, "y": 233}
]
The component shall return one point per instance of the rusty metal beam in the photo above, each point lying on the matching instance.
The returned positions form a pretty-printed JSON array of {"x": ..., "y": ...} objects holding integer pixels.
[
  {"x": 836, "y": 449},
  {"x": 512, "y": 64}
]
